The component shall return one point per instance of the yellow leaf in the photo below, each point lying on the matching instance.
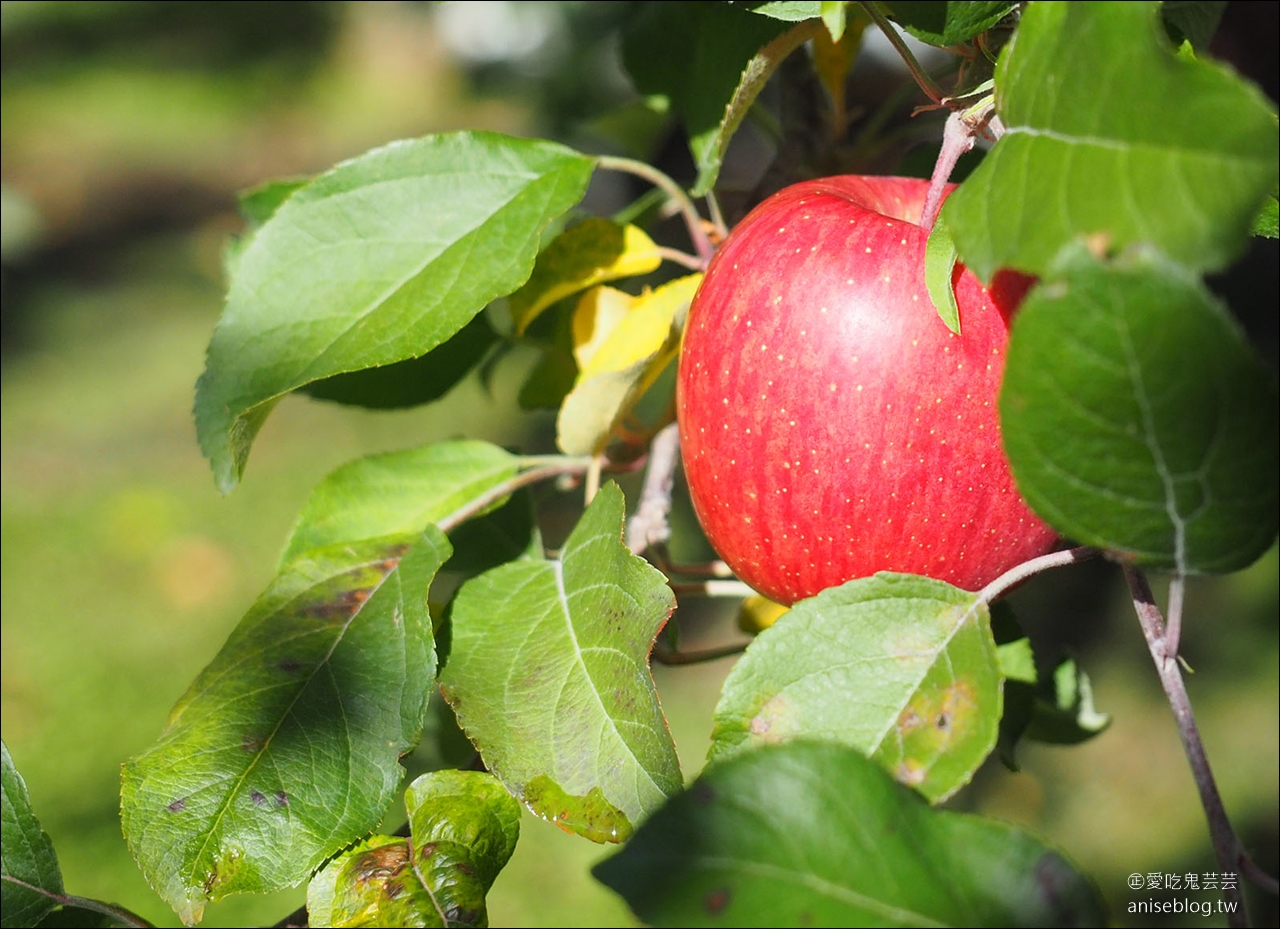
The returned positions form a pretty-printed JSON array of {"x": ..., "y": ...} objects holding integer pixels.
[
  {"x": 592, "y": 252},
  {"x": 623, "y": 357},
  {"x": 757, "y": 613},
  {"x": 641, "y": 333},
  {"x": 598, "y": 313}
]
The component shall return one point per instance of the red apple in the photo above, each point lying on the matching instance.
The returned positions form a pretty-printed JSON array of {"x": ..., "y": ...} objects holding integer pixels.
[{"x": 832, "y": 426}]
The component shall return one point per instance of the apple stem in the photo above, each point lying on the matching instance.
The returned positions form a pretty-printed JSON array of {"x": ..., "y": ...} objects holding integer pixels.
[
  {"x": 922, "y": 79},
  {"x": 958, "y": 137},
  {"x": 1227, "y": 847},
  {"x": 649, "y": 524},
  {"x": 1019, "y": 573},
  {"x": 692, "y": 221}
]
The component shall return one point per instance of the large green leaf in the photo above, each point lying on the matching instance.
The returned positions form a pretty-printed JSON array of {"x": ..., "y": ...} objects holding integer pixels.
[
  {"x": 1109, "y": 135},
  {"x": 701, "y": 58},
  {"x": 902, "y": 668},
  {"x": 464, "y": 826},
  {"x": 397, "y": 493},
  {"x": 549, "y": 676},
  {"x": 1137, "y": 418},
  {"x": 286, "y": 747},
  {"x": 29, "y": 871},
  {"x": 814, "y": 834},
  {"x": 379, "y": 260}
]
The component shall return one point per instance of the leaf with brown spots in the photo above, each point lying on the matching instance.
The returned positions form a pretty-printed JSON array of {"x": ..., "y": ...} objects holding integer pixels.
[
  {"x": 814, "y": 834},
  {"x": 464, "y": 827},
  {"x": 286, "y": 748},
  {"x": 902, "y": 668},
  {"x": 549, "y": 677}
]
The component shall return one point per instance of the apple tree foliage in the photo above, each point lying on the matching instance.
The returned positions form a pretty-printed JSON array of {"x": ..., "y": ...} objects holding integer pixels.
[{"x": 1138, "y": 420}]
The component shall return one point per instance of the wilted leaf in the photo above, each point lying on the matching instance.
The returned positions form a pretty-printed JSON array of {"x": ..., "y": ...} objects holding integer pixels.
[
  {"x": 1182, "y": 158},
  {"x": 29, "y": 871},
  {"x": 464, "y": 827},
  {"x": 397, "y": 493},
  {"x": 549, "y": 677},
  {"x": 1137, "y": 418},
  {"x": 592, "y": 252},
  {"x": 902, "y": 668},
  {"x": 813, "y": 834},
  {"x": 286, "y": 747},
  {"x": 381, "y": 259},
  {"x": 618, "y": 368}
]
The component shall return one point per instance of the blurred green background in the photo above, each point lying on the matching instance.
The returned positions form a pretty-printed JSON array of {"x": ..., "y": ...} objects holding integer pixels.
[{"x": 127, "y": 130}]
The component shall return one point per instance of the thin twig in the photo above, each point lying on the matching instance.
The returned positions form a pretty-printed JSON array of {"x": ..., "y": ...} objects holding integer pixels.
[
  {"x": 717, "y": 217},
  {"x": 667, "y": 656},
  {"x": 118, "y": 913},
  {"x": 542, "y": 472},
  {"x": 692, "y": 262},
  {"x": 1227, "y": 847},
  {"x": 1173, "y": 626},
  {"x": 926, "y": 84},
  {"x": 649, "y": 525},
  {"x": 673, "y": 190},
  {"x": 1016, "y": 575},
  {"x": 713, "y": 588}
]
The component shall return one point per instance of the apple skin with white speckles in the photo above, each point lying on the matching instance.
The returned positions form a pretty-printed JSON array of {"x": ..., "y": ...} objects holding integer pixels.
[{"x": 831, "y": 425}]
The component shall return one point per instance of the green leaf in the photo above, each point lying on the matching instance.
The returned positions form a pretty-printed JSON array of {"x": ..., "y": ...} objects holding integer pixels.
[
  {"x": 259, "y": 204},
  {"x": 464, "y": 828},
  {"x": 286, "y": 747},
  {"x": 815, "y": 834},
  {"x": 947, "y": 24},
  {"x": 1064, "y": 713},
  {"x": 549, "y": 677},
  {"x": 902, "y": 668},
  {"x": 26, "y": 855},
  {"x": 939, "y": 275},
  {"x": 1137, "y": 419},
  {"x": 412, "y": 382},
  {"x": 703, "y": 59},
  {"x": 397, "y": 493},
  {"x": 379, "y": 260},
  {"x": 791, "y": 11},
  {"x": 1267, "y": 222},
  {"x": 1193, "y": 21},
  {"x": 594, "y": 251},
  {"x": 1181, "y": 158}
]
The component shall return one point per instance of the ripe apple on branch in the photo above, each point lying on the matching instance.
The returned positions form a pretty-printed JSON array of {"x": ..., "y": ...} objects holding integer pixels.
[{"x": 832, "y": 426}]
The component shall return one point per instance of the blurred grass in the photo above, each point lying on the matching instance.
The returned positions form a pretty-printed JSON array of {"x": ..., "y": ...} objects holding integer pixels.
[{"x": 123, "y": 570}]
